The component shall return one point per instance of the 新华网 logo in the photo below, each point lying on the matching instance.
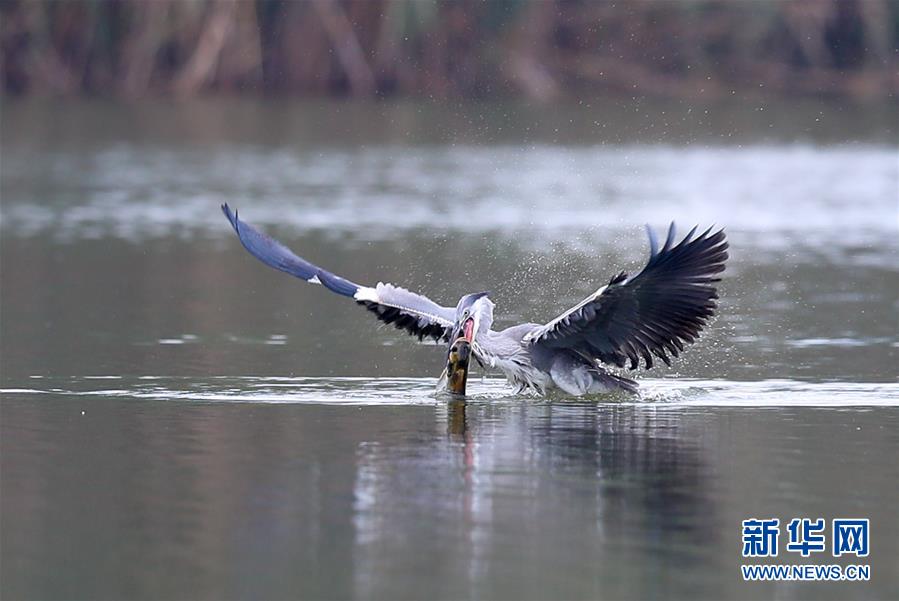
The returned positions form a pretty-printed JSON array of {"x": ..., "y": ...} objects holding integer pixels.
[{"x": 808, "y": 538}]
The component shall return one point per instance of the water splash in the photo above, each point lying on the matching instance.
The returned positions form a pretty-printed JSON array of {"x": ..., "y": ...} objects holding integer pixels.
[{"x": 359, "y": 391}]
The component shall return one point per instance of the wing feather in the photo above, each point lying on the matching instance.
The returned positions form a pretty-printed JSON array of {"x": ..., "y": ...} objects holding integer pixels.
[
  {"x": 656, "y": 313},
  {"x": 407, "y": 311}
]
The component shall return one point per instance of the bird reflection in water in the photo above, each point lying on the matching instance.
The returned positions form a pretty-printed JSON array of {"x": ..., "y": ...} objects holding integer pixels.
[
  {"x": 455, "y": 419},
  {"x": 537, "y": 482}
]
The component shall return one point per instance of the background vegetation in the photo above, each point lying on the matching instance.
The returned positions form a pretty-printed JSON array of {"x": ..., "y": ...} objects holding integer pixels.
[{"x": 464, "y": 48}]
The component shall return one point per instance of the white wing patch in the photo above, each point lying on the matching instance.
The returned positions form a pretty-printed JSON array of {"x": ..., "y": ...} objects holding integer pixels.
[
  {"x": 537, "y": 332},
  {"x": 366, "y": 294},
  {"x": 387, "y": 295}
]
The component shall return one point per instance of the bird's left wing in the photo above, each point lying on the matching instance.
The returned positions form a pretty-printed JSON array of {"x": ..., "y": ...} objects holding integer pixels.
[
  {"x": 408, "y": 311},
  {"x": 653, "y": 313}
]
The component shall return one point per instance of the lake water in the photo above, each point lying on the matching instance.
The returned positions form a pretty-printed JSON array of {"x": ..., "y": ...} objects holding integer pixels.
[{"x": 179, "y": 421}]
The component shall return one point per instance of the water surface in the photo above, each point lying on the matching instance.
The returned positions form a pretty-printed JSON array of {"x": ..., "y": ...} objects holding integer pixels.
[{"x": 179, "y": 421}]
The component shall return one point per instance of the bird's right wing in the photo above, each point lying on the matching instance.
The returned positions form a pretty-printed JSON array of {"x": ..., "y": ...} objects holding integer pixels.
[
  {"x": 653, "y": 313},
  {"x": 408, "y": 311}
]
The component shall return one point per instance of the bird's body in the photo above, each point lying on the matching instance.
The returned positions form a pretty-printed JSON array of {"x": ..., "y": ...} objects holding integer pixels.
[
  {"x": 506, "y": 351},
  {"x": 535, "y": 368},
  {"x": 653, "y": 314}
]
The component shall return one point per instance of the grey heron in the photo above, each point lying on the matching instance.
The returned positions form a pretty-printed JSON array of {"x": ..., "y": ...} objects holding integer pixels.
[{"x": 629, "y": 320}]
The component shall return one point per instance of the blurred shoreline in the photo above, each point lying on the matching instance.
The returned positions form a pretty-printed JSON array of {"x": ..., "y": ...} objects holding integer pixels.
[
  {"x": 696, "y": 50},
  {"x": 310, "y": 123}
]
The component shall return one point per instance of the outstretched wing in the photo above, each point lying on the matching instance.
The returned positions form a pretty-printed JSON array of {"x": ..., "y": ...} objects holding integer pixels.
[
  {"x": 654, "y": 313},
  {"x": 414, "y": 313}
]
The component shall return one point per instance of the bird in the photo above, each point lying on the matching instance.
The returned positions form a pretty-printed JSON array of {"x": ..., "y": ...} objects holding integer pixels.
[{"x": 628, "y": 322}]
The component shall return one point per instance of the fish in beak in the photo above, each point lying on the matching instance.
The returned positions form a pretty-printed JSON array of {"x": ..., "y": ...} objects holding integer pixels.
[
  {"x": 459, "y": 356},
  {"x": 457, "y": 366}
]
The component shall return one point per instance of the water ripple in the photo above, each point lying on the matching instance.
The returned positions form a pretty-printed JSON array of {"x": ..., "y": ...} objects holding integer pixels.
[
  {"x": 844, "y": 193},
  {"x": 358, "y": 391}
]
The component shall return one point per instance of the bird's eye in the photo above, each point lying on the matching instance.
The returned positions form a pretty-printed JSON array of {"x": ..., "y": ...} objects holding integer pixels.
[{"x": 465, "y": 313}]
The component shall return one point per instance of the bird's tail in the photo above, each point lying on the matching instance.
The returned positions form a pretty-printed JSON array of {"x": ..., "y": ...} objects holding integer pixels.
[{"x": 613, "y": 382}]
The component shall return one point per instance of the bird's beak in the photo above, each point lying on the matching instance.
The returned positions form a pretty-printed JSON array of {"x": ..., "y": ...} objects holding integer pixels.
[
  {"x": 465, "y": 329},
  {"x": 468, "y": 329}
]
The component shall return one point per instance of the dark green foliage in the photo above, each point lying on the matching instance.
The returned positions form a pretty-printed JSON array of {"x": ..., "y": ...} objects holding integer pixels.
[{"x": 463, "y": 48}]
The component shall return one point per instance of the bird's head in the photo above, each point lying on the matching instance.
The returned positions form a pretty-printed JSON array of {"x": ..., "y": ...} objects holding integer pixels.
[{"x": 474, "y": 315}]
